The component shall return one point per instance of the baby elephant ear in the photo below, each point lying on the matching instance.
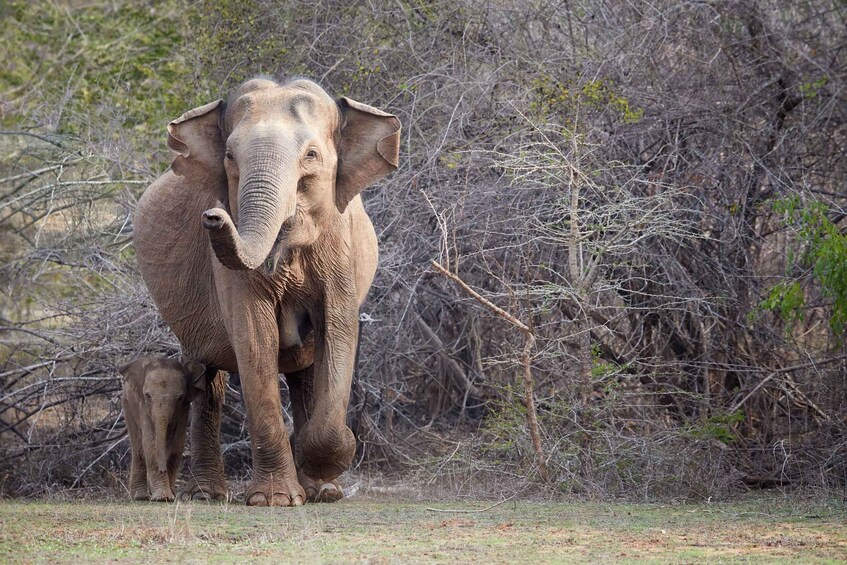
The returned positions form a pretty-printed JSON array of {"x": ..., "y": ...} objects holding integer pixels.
[
  {"x": 195, "y": 375},
  {"x": 125, "y": 369},
  {"x": 370, "y": 147},
  {"x": 136, "y": 367}
]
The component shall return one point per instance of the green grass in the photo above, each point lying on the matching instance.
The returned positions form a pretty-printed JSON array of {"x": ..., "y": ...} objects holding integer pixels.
[{"x": 384, "y": 532}]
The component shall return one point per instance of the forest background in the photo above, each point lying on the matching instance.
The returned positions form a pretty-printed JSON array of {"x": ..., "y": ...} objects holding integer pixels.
[{"x": 656, "y": 189}]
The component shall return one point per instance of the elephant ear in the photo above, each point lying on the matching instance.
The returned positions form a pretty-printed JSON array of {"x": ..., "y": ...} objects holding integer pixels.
[
  {"x": 126, "y": 369},
  {"x": 134, "y": 372},
  {"x": 369, "y": 149},
  {"x": 195, "y": 376},
  {"x": 198, "y": 142}
]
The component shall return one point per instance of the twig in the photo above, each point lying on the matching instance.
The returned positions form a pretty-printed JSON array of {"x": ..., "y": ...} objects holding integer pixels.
[
  {"x": 35, "y": 135},
  {"x": 437, "y": 471},
  {"x": 101, "y": 456},
  {"x": 790, "y": 369},
  {"x": 478, "y": 511},
  {"x": 484, "y": 301},
  {"x": 762, "y": 383},
  {"x": 455, "y": 369}
]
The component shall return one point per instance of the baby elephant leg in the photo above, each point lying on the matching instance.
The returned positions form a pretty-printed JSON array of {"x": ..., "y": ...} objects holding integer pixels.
[{"x": 138, "y": 477}]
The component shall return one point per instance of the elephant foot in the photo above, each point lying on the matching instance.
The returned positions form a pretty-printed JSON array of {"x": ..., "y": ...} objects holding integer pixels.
[
  {"x": 140, "y": 494},
  {"x": 324, "y": 451},
  {"x": 318, "y": 490},
  {"x": 163, "y": 496},
  {"x": 204, "y": 492},
  {"x": 328, "y": 492},
  {"x": 269, "y": 492}
]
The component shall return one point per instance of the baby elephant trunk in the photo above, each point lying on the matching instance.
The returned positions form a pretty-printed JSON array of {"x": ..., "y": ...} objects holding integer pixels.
[
  {"x": 161, "y": 439},
  {"x": 159, "y": 478}
]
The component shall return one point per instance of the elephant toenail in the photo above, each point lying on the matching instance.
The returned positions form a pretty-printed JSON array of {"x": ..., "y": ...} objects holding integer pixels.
[{"x": 257, "y": 499}]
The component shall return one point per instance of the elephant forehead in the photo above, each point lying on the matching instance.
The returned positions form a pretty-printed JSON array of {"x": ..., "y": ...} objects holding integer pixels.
[
  {"x": 162, "y": 379},
  {"x": 310, "y": 87},
  {"x": 286, "y": 102},
  {"x": 257, "y": 84}
]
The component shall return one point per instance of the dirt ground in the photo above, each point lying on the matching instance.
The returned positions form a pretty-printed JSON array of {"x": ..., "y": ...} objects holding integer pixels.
[{"x": 361, "y": 530}]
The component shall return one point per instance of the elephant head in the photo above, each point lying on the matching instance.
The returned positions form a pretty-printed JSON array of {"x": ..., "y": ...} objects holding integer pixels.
[{"x": 284, "y": 160}]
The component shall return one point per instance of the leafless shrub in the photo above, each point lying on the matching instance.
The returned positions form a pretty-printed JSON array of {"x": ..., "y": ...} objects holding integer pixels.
[{"x": 604, "y": 171}]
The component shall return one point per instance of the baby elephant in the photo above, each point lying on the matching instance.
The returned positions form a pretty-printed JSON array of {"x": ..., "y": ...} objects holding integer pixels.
[{"x": 157, "y": 393}]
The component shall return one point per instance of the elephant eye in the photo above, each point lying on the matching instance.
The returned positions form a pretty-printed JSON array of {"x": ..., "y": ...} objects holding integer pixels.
[
  {"x": 147, "y": 396},
  {"x": 312, "y": 154},
  {"x": 230, "y": 156}
]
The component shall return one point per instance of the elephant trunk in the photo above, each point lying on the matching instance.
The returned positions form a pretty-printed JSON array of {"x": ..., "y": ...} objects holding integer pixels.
[
  {"x": 266, "y": 199},
  {"x": 161, "y": 439}
]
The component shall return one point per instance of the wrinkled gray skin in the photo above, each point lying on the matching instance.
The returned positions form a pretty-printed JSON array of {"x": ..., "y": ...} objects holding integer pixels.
[
  {"x": 157, "y": 393},
  {"x": 258, "y": 253}
]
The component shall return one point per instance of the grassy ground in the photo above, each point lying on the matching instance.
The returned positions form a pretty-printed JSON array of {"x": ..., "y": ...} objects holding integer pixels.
[{"x": 375, "y": 531}]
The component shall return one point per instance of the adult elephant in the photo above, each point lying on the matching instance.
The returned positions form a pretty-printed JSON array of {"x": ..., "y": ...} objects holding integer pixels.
[{"x": 258, "y": 254}]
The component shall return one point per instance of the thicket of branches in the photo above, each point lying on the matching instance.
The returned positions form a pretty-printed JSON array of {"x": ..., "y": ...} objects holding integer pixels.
[{"x": 655, "y": 188}]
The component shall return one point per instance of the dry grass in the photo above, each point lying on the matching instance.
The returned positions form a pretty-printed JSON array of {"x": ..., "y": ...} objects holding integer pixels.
[{"x": 379, "y": 531}]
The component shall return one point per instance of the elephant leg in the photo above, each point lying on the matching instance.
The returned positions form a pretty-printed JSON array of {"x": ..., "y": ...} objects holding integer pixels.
[
  {"x": 158, "y": 481},
  {"x": 173, "y": 470},
  {"x": 138, "y": 475},
  {"x": 300, "y": 386},
  {"x": 325, "y": 445},
  {"x": 137, "y": 468},
  {"x": 206, "y": 480},
  {"x": 174, "y": 462},
  {"x": 274, "y": 474},
  {"x": 177, "y": 447}
]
